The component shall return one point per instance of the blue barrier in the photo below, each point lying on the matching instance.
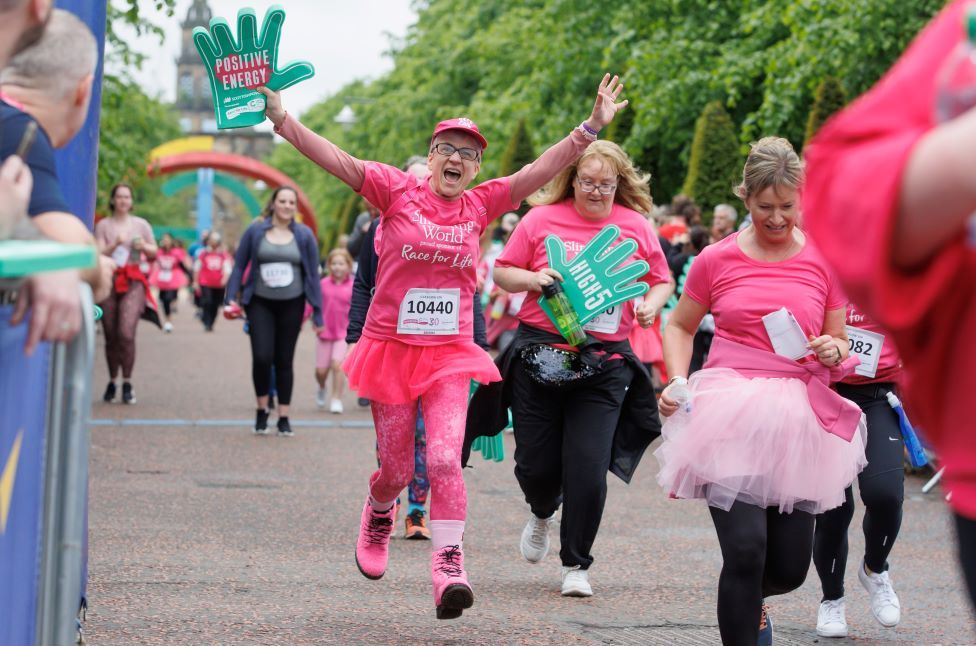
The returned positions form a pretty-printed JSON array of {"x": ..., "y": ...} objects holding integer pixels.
[{"x": 23, "y": 402}]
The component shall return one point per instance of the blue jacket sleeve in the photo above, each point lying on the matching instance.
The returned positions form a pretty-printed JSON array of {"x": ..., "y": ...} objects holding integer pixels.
[
  {"x": 310, "y": 260},
  {"x": 241, "y": 258},
  {"x": 363, "y": 284}
]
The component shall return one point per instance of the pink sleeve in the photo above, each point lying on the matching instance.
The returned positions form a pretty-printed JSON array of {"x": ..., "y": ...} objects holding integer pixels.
[
  {"x": 519, "y": 251},
  {"x": 853, "y": 184},
  {"x": 836, "y": 298},
  {"x": 659, "y": 271},
  {"x": 557, "y": 157},
  {"x": 323, "y": 152},
  {"x": 383, "y": 184},
  {"x": 495, "y": 196},
  {"x": 698, "y": 285}
]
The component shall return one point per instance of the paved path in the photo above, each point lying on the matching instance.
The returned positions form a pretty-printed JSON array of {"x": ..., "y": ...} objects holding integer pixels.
[{"x": 202, "y": 533}]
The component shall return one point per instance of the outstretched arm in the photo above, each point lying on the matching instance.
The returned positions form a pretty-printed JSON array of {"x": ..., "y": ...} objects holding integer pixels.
[
  {"x": 537, "y": 174},
  {"x": 320, "y": 150}
]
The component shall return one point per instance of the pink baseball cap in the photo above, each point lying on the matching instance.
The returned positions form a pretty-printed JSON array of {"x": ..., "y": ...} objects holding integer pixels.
[{"x": 463, "y": 124}]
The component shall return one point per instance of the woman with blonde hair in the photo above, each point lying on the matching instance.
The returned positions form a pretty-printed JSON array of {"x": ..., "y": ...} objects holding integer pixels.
[
  {"x": 758, "y": 432},
  {"x": 570, "y": 430}
]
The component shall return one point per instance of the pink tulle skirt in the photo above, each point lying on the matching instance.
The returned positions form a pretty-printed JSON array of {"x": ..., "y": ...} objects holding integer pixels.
[
  {"x": 646, "y": 343},
  {"x": 756, "y": 441},
  {"x": 392, "y": 372}
]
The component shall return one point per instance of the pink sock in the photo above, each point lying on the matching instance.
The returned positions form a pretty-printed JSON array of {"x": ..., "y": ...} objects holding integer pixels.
[{"x": 446, "y": 532}]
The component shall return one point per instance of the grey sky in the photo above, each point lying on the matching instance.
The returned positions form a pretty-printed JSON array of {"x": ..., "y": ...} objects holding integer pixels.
[{"x": 344, "y": 40}]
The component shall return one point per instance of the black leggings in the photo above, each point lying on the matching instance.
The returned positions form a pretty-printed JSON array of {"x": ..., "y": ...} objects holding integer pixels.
[
  {"x": 764, "y": 553},
  {"x": 563, "y": 441},
  {"x": 274, "y": 328},
  {"x": 966, "y": 533},
  {"x": 210, "y": 300},
  {"x": 882, "y": 487},
  {"x": 166, "y": 297}
]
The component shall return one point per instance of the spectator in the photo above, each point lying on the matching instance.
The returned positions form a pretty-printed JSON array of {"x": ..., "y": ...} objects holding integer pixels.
[
  {"x": 723, "y": 221},
  {"x": 360, "y": 228}
]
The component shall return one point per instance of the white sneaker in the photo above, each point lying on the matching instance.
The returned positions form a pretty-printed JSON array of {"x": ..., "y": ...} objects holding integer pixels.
[
  {"x": 167, "y": 327},
  {"x": 831, "y": 619},
  {"x": 576, "y": 582},
  {"x": 535, "y": 538},
  {"x": 320, "y": 397},
  {"x": 336, "y": 406},
  {"x": 884, "y": 601}
]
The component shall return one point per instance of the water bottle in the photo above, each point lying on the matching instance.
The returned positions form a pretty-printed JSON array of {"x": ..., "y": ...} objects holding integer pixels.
[
  {"x": 567, "y": 322},
  {"x": 956, "y": 85},
  {"x": 916, "y": 454},
  {"x": 679, "y": 392},
  {"x": 134, "y": 254}
]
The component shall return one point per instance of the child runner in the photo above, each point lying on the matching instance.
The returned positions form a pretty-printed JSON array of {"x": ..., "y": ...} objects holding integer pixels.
[
  {"x": 330, "y": 347},
  {"x": 416, "y": 343},
  {"x": 169, "y": 274}
]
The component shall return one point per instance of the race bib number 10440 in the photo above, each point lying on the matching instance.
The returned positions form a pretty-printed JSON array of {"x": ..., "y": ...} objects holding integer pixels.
[{"x": 430, "y": 311}]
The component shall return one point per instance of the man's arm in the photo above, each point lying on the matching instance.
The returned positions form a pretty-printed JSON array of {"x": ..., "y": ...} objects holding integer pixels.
[{"x": 65, "y": 227}]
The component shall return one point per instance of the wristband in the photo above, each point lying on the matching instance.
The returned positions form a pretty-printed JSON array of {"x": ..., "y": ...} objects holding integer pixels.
[
  {"x": 684, "y": 380},
  {"x": 587, "y": 131}
]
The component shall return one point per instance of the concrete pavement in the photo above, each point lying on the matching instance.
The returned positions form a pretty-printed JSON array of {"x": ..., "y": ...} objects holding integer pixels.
[{"x": 202, "y": 533}]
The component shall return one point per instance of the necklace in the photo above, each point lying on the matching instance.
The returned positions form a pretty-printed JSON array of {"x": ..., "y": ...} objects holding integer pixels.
[{"x": 781, "y": 256}]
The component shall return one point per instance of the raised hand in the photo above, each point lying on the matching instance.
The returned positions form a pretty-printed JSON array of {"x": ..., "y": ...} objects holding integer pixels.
[
  {"x": 606, "y": 105},
  {"x": 596, "y": 279},
  {"x": 237, "y": 68}
]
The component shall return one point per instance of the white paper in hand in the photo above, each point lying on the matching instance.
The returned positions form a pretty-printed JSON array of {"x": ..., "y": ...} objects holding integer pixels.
[{"x": 786, "y": 335}]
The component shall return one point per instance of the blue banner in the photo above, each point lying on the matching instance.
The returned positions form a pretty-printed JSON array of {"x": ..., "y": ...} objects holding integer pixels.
[{"x": 23, "y": 407}]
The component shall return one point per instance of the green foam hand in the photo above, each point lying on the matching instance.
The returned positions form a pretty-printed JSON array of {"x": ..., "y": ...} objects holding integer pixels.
[
  {"x": 596, "y": 278},
  {"x": 236, "y": 68}
]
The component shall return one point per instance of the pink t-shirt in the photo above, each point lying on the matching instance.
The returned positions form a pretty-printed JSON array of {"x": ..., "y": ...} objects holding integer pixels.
[
  {"x": 336, "y": 298},
  {"x": 739, "y": 291},
  {"x": 889, "y": 363},
  {"x": 212, "y": 268},
  {"x": 526, "y": 249},
  {"x": 107, "y": 231},
  {"x": 428, "y": 255},
  {"x": 167, "y": 273}
]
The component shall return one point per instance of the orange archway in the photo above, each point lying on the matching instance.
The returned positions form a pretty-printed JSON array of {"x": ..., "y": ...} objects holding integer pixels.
[{"x": 238, "y": 164}]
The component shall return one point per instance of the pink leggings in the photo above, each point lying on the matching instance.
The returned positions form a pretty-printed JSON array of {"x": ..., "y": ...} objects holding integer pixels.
[
  {"x": 120, "y": 318},
  {"x": 445, "y": 407}
]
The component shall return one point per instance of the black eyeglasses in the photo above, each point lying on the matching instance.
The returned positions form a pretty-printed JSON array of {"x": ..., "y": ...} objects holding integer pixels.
[
  {"x": 446, "y": 149},
  {"x": 588, "y": 187}
]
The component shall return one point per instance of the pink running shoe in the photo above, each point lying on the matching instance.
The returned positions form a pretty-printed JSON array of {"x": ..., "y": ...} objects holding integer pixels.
[
  {"x": 452, "y": 592},
  {"x": 373, "y": 544}
]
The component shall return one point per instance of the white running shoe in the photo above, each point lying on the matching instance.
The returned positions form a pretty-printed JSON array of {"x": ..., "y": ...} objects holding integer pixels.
[
  {"x": 336, "y": 406},
  {"x": 576, "y": 582},
  {"x": 320, "y": 397},
  {"x": 535, "y": 538},
  {"x": 831, "y": 619},
  {"x": 884, "y": 601},
  {"x": 167, "y": 327}
]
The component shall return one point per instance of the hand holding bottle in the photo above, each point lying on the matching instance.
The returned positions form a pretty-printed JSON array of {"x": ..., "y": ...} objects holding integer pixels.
[{"x": 675, "y": 397}]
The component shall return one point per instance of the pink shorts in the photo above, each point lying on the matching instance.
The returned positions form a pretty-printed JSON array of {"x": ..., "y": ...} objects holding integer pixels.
[{"x": 328, "y": 351}]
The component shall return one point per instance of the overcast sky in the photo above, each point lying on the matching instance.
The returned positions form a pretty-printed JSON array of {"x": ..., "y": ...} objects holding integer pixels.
[{"x": 343, "y": 39}]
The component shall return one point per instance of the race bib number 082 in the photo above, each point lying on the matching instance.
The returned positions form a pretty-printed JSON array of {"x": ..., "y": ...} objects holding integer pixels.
[
  {"x": 867, "y": 346},
  {"x": 430, "y": 311}
]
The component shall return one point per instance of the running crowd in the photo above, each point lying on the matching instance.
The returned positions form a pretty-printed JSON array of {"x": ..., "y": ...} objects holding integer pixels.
[{"x": 771, "y": 358}]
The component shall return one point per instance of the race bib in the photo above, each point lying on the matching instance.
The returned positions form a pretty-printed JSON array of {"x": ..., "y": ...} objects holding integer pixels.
[
  {"x": 607, "y": 321},
  {"x": 429, "y": 311},
  {"x": 165, "y": 275},
  {"x": 121, "y": 256},
  {"x": 277, "y": 274},
  {"x": 867, "y": 346}
]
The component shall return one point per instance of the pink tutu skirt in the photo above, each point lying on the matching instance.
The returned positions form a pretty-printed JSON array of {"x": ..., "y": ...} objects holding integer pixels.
[
  {"x": 755, "y": 441},
  {"x": 392, "y": 372}
]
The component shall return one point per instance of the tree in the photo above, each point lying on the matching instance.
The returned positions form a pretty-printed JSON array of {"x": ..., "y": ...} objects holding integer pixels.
[
  {"x": 828, "y": 99},
  {"x": 518, "y": 152},
  {"x": 715, "y": 158}
]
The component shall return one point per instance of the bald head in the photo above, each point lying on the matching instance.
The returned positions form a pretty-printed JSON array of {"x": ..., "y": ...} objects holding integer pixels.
[
  {"x": 52, "y": 79},
  {"x": 21, "y": 24},
  {"x": 65, "y": 55}
]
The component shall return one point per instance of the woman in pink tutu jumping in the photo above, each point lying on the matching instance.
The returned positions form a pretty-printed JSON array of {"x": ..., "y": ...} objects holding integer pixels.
[
  {"x": 758, "y": 432},
  {"x": 417, "y": 341}
]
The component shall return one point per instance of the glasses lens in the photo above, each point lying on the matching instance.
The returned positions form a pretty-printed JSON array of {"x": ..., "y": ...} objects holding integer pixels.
[
  {"x": 445, "y": 149},
  {"x": 469, "y": 154},
  {"x": 607, "y": 189}
]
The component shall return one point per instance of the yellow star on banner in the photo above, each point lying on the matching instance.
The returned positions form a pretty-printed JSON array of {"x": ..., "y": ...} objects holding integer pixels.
[{"x": 7, "y": 481}]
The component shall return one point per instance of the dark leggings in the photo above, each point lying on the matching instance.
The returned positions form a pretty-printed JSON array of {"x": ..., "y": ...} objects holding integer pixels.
[
  {"x": 273, "y": 330},
  {"x": 120, "y": 318},
  {"x": 882, "y": 487},
  {"x": 211, "y": 298},
  {"x": 966, "y": 533},
  {"x": 166, "y": 297},
  {"x": 764, "y": 553}
]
